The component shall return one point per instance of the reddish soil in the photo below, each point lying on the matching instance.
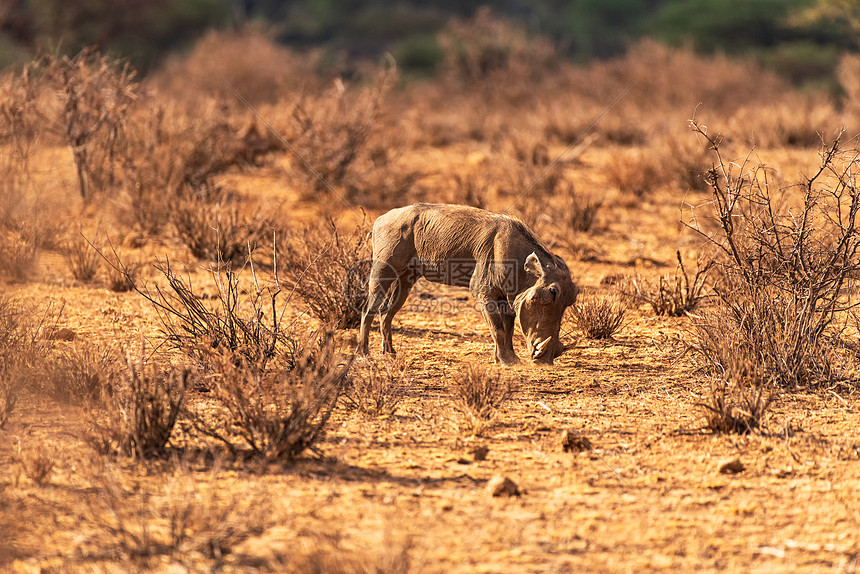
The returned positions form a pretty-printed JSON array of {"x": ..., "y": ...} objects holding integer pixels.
[{"x": 649, "y": 496}]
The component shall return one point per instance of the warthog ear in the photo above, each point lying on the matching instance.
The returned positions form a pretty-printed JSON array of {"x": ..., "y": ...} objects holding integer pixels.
[{"x": 533, "y": 266}]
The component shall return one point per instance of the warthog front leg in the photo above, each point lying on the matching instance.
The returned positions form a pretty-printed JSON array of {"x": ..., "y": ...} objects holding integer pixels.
[
  {"x": 502, "y": 330},
  {"x": 381, "y": 279},
  {"x": 387, "y": 292}
]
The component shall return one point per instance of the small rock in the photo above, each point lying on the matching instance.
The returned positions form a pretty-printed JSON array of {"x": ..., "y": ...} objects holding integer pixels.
[
  {"x": 480, "y": 453},
  {"x": 572, "y": 441},
  {"x": 503, "y": 486},
  {"x": 733, "y": 466},
  {"x": 64, "y": 334}
]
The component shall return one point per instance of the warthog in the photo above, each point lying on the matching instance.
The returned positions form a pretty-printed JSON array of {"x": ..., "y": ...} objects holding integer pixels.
[{"x": 509, "y": 271}]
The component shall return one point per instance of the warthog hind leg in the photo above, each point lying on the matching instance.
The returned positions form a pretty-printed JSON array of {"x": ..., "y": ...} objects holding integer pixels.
[{"x": 398, "y": 298}]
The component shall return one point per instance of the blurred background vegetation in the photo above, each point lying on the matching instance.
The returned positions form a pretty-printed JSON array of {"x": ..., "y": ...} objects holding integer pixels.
[{"x": 799, "y": 39}]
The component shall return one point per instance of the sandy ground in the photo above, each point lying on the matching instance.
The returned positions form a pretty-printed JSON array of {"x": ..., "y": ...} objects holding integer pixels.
[{"x": 649, "y": 496}]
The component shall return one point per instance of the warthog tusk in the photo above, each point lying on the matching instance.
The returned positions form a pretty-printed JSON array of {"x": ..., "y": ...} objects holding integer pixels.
[{"x": 541, "y": 347}]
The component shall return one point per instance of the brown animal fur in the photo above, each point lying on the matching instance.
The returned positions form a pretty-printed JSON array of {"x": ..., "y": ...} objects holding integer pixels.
[{"x": 510, "y": 272}]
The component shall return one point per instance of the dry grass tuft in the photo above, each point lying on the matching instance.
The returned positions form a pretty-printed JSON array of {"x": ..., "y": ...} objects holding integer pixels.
[
  {"x": 18, "y": 254},
  {"x": 190, "y": 519},
  {"x": 81, "y": 257},
  {"x": 82, "y": 373},
  {"x": 599, "y": 316},
  {"x": 123, "y": 272},
  {"x": 329, "y": 270},
  {"x": 635, "y": 172},
  {"x": 579, "y": 212},
  {"x": 37, "y": 462},
  {"x": 11, "y": 384},
  {"x": 22, "y": 351},
  {"x": 740, "y": 390},
  {"x": 480, "y": 390},
  {"x": 138, "y": 418},
  {"x": 378, "y": 389},
  {"x": 322, "y": 550},
  {"x": 212, "y": 223},
  {"x": 674, "y": 295}
]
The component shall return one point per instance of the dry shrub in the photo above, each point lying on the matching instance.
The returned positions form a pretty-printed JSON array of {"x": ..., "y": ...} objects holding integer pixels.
[
  {"x": 636, "y": 172},
  {"x": 323, "y": 550},
  {"x": 377, "y": 389},
  {"x": 479, "y": 390},
  {"x": 276, "y": 396},
  {"x": 495, "y": 57},
  {"x": 329, "y": 271},
  {"x": 528, "y": 149},
  {"x": 172, "y": 146},
  {"x": 599, "y": 316},
  {"x": 213, "y": 224},
  {"x": 782, "y": 334},
  {"x": 11, "y": 384},
  {"x": 385, "y": 184},
  {"x": 26, "y": 221},
  {"x": 684, "y": 158},
  {"x": 545, "y": 183},
  {"x": 654, "y": 82},
  {"x": 20, "y": 134},
  {"x": 153, "y": 170},
  {"x": 533, "y": 190},
  {"x": 672, "y": 159},
  {"x": 82, "y": 373},
  {"x": 204, "y": 518},
  {"x": 330, "y": 132},
  {"x": 18, "y": 254},
  {"x": 138, "y": 418},
  {"x": 795, "y": 120},
  {"x": 514, "y": 179},
  {"x": 248, "y": 60},
  {"x": 22, "y": 351},
  {"x": 740, "y": 387},
  {"x": 81, "y": 256},
  {"x": 22, "y": 228},
  {"x": 787, "y": 262},
  {"x": 95, "y": 97},
  {"x": 669, "y": 79},
  {"x": 249, "y": 326},
  {"x": 190, "y": 519},
  {"x": 278, "y": 410},
  {"x": 674, "y": 295},
  {"x": 37, "y": 461},
  {"x": 848, "y": 74},
  {"x": 123, "y": 271},
  {"x": 471, "y": 188},
  {"x": 578, "y": 212},
  {"x": 276, "y": 393},
  {"x": 567, "y": 124}
]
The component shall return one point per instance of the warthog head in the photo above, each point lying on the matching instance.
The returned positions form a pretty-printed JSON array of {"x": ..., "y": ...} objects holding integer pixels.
[{"x": 540, "y": 308}]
